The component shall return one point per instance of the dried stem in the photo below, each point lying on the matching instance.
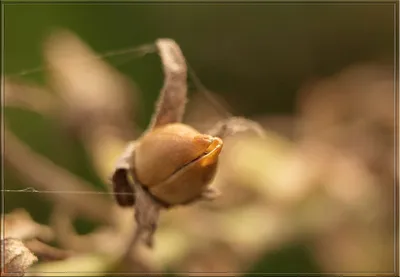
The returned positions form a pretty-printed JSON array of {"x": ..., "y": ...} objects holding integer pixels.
[
  {"x": 169, "y": 108},
  {"x": 132, "y": 245},
  {"x": 46, "y": 252},
  {"x": 147, "y": 213},
  {"x": 18, "y": 224}
]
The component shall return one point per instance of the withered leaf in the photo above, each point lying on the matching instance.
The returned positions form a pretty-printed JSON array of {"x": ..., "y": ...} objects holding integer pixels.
[
  {"x": 122, "y": 187},
  {"x": 170, "y": 106}
]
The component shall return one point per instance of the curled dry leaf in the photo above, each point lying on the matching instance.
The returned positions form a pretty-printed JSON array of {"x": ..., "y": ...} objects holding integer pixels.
[
  {"x": 122, "y": 186},
  {"x": 170, "y": 106}
]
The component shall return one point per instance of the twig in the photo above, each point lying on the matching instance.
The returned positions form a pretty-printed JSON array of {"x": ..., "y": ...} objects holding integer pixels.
[
  {"x": 132, "y": 244},
  {"x": 44, "y": 174},
  {"x": 104, "y": 239},
  {"x": 147, "y": 213},
  {"x": 18, "y": 224},
  {"x": 46, "y": 252}
]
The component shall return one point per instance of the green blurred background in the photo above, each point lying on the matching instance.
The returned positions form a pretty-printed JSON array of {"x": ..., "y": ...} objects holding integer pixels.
[{"x": 254, "y": 55}]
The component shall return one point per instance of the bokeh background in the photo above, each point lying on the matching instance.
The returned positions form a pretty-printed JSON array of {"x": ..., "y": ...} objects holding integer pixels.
[{"x": 317, "y": 194}]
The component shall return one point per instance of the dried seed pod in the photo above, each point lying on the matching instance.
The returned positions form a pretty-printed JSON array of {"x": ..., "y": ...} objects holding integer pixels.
[{"x": 176, "y": 163}]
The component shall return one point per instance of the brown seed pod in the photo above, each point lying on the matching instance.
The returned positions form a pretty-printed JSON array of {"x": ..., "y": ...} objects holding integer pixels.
[{"x": 176, "y": 163}]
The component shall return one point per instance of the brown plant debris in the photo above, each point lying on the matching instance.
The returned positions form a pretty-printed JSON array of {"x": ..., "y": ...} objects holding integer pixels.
[{"x": 17, "y": 257}]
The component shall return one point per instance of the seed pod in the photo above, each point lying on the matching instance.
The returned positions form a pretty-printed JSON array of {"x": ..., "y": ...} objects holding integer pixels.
[{"x": 176, "y": 163}]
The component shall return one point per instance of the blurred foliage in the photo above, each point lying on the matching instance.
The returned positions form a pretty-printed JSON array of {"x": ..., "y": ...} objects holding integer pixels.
[
  {"x": 254, "y": 56},
  {"x": 293, "y": 258},
  {"x": 266, "y": 54}
]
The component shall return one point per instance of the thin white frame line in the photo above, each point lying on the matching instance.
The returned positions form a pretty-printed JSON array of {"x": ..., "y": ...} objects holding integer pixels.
[
  {"x": 3, "y": 6},
  {"x": 33, "y": 190}
]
